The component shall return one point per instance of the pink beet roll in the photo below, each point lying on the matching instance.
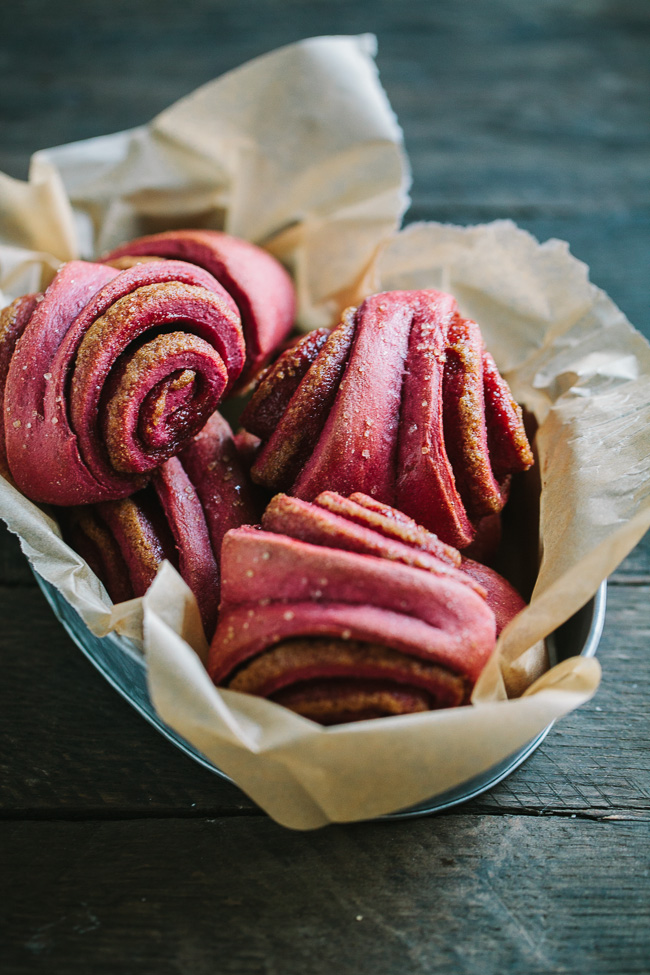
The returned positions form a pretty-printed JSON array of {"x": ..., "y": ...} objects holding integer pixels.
[
  {"x": 344, "y": 609},
  {"x": 261, "y": 288},
  {"x": 112, "y": 374},
  {"x": 193, "y": 500},
  {"x": 411, "y": 411}
]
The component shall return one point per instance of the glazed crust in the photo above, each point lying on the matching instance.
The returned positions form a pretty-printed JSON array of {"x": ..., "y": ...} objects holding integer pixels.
[{"x": 332, "y": 680}]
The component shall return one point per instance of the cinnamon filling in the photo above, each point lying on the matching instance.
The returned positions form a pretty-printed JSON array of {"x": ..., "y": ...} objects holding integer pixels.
[{"x": 296, "y": 661}]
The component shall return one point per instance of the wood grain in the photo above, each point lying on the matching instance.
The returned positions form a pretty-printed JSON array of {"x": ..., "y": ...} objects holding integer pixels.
[
  {"x": 452, "y": 895},
  {"x": 119, "y": 854}
]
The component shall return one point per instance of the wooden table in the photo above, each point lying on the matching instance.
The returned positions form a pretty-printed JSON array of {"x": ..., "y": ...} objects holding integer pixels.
[{"x": 120, "y": 855}]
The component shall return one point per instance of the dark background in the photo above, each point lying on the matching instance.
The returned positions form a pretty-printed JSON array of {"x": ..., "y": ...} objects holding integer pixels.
[
  {"x": 535, "y": 111},
  {"x": 118, "y": 854}
]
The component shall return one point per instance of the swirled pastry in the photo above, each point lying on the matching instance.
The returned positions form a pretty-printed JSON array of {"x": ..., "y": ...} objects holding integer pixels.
[{"x": 400, "y": 401}]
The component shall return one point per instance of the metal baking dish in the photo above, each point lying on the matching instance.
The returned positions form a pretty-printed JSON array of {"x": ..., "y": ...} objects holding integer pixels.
[{"x": 122, "y": 664}]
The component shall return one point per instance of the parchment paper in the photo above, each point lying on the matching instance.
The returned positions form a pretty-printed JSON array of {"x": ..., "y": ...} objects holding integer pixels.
[{"x": 300, "y": 151}]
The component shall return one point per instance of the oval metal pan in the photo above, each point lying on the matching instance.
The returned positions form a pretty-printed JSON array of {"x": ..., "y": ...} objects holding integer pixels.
[{"x": 122, "y": 664}]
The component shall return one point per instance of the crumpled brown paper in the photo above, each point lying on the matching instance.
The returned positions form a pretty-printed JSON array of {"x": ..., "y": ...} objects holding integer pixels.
[{"x": 300, "y": 151}]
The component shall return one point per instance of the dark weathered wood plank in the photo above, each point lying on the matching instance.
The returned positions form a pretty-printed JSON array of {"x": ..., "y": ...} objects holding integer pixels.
[
  {"x": 71, "y": 747},
  {"x": 635, "y": 569},
  {"x": 537, "y": 115},
  {"x": 67, "y": 739},
  {"x": 501, "y": 103},
  {"x": 533, "y": 112},
  {"x": 14, "y": 568},
  {"x": 464, "y": 894}
]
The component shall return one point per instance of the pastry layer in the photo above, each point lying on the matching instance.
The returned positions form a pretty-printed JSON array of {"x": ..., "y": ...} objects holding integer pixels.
[
  {"x": 112, "y": 374},
  {"x": 403, "y": 404}
]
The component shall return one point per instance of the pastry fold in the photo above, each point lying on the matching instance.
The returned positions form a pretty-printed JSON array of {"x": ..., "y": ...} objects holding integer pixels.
[
  {"x": 13, "y": 322},
  {"x": 193, "y": 500},
  {"x": 113, "y": 372},
  {"x": 260, "y": 286},
  {"x": 403, "y": 403},
  {"x": 343, "y": 608}
]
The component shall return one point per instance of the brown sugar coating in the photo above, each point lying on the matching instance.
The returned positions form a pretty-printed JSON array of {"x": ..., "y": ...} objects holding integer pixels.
[
  {"x": 464, "y": 421},
  {"x": 122, "y": 263},
  {"x": 364, "y": 510},
  {"x": 260, "y": 286},
  {"x": 13, "y": 321},
  {"x": 297, "y": 429},
  {"x": 508, "y": 443},
  {"x": 278, "y": 382},
  {"x": 295, "y": 661},
  {"x": 336, "y": 701},
  {"x": 135, "y": 534}
]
